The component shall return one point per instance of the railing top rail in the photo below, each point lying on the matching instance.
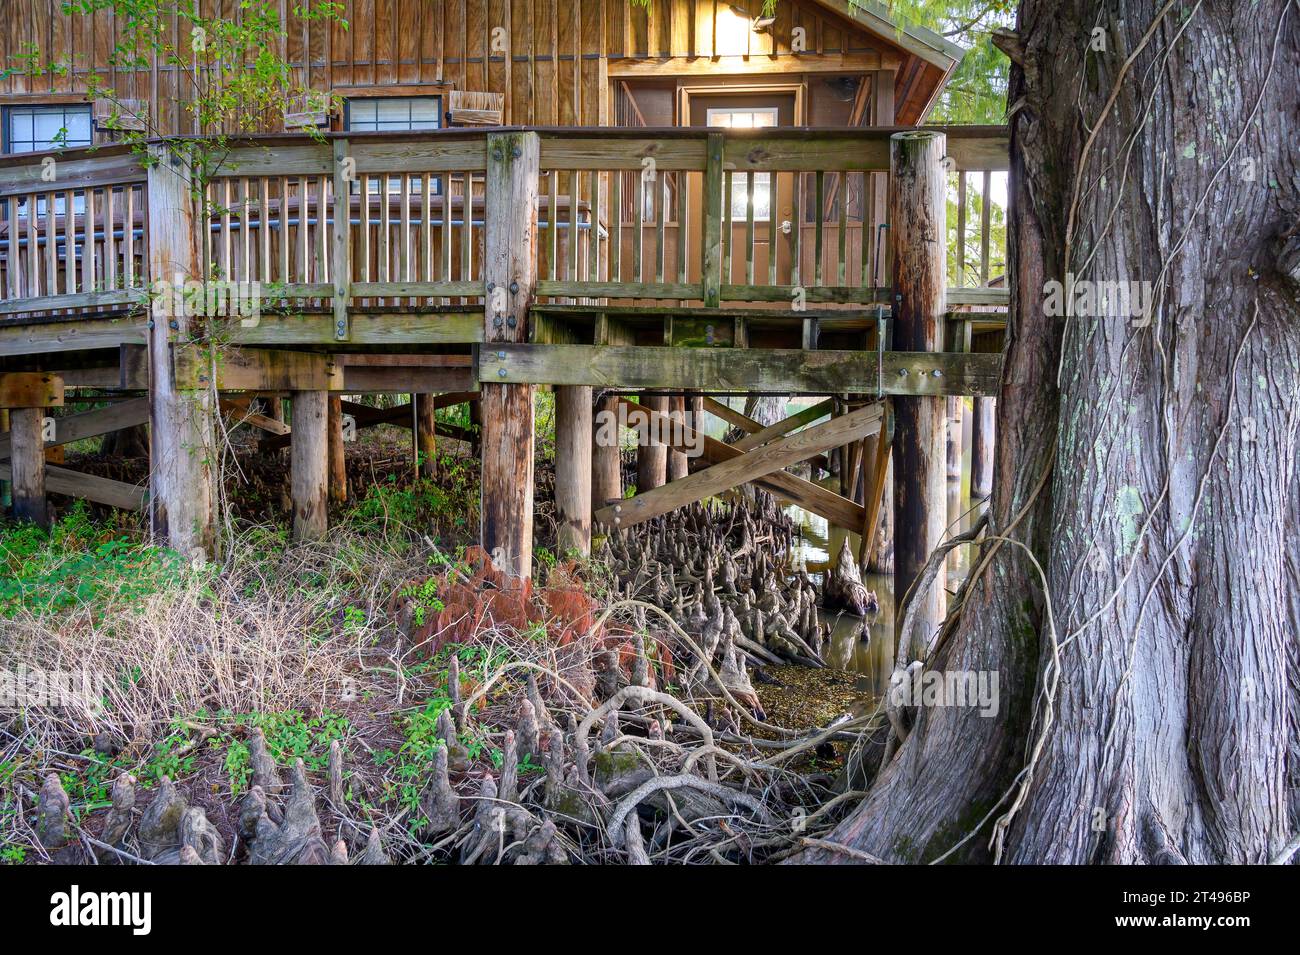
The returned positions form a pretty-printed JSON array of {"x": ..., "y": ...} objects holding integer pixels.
[
  {"x": 25, "y": 173},
  {"x": 974, "y": 147}
]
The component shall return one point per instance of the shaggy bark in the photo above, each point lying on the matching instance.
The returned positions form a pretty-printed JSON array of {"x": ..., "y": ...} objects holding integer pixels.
[{"x": 1167, "y": 524}]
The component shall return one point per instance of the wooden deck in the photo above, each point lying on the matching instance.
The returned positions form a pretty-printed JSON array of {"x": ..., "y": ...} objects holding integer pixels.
[{"x": 457, "y": 261}]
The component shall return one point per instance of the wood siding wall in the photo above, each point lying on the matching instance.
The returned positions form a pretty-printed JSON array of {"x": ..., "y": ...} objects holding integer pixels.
[{"x": 552, "y": 60}]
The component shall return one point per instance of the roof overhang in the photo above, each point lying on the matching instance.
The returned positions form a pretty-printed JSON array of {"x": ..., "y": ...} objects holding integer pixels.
[{"x": 926, "y": 45}]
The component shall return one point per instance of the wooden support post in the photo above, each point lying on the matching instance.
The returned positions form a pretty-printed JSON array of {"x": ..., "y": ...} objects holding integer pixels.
[
  {"x": 953, "y": 414},
  {"x": 678, "y": 466},
  {"x": 6, "y": 489},
  {"x": 509, "y": 276},
  {"x": 573, "y": 468},
  {"x": 181, "y": 440},
  {"x": 651, "y": 458},
  {"x": 981, "y": 447},
  {"x": 28, "y": 466},
  {"x": 606, "y": 454},
  {"x": 308, "y": 459},
  {"x": 338, "y": 469},
  {"x": 426, "y": 434},
  {"x": 917, "y": 199}
]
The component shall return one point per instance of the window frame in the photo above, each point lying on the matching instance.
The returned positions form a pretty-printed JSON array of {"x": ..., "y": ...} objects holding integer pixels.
[
  {"x": 350, "y": 101},
  {"x": 10, "y": 110}
]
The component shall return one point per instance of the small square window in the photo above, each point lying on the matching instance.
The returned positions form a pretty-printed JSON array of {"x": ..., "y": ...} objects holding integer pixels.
[
  {"x": 393, "y": 114},
  {"x": 42, "y": 128},
  {"x": 383, "y": 114}
]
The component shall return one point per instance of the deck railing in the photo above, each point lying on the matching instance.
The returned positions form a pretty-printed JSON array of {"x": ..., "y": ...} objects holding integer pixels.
[{"x": 683, "y": 216}]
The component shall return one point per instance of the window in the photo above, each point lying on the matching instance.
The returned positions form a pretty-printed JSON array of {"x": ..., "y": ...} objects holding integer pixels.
[
  {"x": 387, "y": 114},
  {"x": 30, "y": 129},
  {"x": 393, "y": 113},
  {"x": 758, "y": 118}
]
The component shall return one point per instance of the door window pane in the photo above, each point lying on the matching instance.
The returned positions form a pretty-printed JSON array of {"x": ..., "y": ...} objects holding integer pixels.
[{"x": 759, "y": 118}]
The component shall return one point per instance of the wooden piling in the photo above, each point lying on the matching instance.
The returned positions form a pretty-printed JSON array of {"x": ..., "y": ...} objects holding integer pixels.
[
  {"x": 6, "y": 489},
  {"x": 338, "y": 472},
  {"x": 651, "y": 457},
  {"x": 678, "y": 466},
  {"x": 981, "y": 447},
  {"x": 573, "y": 468},
  {"x": 917, "y": 235},
  {"x": 426, "y": 434},
  {"x": 953, "y": 446},
  {"x": 308, "y": 457},
  {"x": 606, "y": 459},
  {"x": 28, "y": 452},
  {"x": 182, "y": 447},
  {"x": 509, "y": 275}
]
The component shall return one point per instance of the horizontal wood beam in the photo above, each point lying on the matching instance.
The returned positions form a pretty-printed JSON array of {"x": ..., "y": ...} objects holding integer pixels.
[
  {"x": 749, "y": 466},
  {"x": 91, "y": 424},
  {"x": 773, "y": 371},
  {"x": 30, "y": 389},
  {"x": 255, "y": 369},
  {"x": 101, "y": 490}
]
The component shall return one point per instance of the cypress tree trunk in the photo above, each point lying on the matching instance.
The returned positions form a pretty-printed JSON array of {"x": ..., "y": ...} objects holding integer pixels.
[{"x": 1148, "y": 462}]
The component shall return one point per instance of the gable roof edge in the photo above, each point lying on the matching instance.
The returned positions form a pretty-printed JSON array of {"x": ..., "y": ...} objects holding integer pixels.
[{"x": 917, "y": 40}]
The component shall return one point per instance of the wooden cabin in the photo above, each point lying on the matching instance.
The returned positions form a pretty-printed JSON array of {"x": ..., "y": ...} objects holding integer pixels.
[{"x": 476, "y": 197}]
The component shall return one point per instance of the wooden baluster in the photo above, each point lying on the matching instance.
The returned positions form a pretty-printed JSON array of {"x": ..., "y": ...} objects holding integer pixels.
[
  {"x": 286, "y": 272},
  {"x": 365, "y": 229},
  {"x": 69, "y": 244},
  {"x": 661, "y": 222},
  {"x": 749, "y": 228},
  {"x": 264, "y": 230},
  {"x": 574, "y": 198},
  {"x": 593, "y": 229},
  {"x": 726, "y": 230},
  {"x": 325, "y": 185},
  {"x": 773, "y": 226},
  {"x": 819, "y": 214},
  {"x": 227, "y": 260},
  {"x": 841, "y": 269},
  {"x": 426, "y": 228},
  {"x": 467, "y": 230},
  {"x": 961, "y": 231},
  {"x": 683, "y": 226},
  {"x": 88, "y": 244},
  {"x": 404, "y": 247},
  {"x": 638, "y": 238},
  {"x": 986, "y": 227},
  {"x": 304, "y": 272},
  {"x": 553, "y": 222},
  {"x": 385, "y": 223},
  {"x": 246, "y": 243},
  {"x": 52, "y": 244},
  {"x": 616, "y": 225},
  {"x": 34, "y": 287},
  {"x": 110, "y": 239},
  {"x": 796, "y": 228},
  {"x": 864, "y": 204}
]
